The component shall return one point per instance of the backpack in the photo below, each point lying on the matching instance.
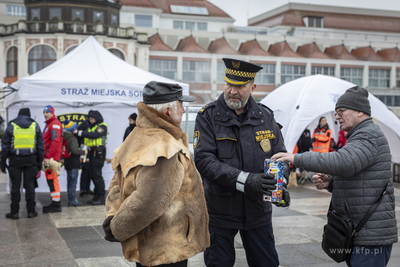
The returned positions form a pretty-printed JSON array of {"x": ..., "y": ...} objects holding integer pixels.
[{"x": 64, "y": 152}]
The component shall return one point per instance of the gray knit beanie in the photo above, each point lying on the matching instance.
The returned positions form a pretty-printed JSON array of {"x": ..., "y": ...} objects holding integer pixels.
[{"x": 355, "y": 98}]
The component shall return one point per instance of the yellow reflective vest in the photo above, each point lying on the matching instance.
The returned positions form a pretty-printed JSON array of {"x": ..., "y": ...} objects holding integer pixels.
[
  {"x": 101, "y": 141},
  {"x": 24, "y": 138}
]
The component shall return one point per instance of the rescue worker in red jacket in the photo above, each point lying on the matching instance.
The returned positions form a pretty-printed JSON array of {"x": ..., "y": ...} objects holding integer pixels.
[
  {"x": 322, "y": 137},
  {"x": 52, "y": 136}
]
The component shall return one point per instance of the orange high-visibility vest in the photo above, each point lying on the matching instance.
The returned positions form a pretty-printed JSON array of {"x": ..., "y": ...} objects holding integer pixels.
[{"x": 323, "y": 140}]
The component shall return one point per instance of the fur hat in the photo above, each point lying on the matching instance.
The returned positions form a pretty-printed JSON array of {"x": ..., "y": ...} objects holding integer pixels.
[
  {"x": 355, "y": 98},
  {"x": 70, "y": 126}
]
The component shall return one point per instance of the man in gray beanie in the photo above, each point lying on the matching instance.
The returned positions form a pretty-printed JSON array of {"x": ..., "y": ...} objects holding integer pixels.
[{"x": 357, "y": 175}]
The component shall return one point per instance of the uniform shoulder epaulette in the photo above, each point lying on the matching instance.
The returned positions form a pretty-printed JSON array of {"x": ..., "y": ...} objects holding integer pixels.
[
  {"x": 211, "y": 104},
  {"x": 266, "y": 108}
]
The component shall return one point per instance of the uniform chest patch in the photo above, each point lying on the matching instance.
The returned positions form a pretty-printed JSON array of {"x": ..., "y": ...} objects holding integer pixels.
[
  {"x": 265, "y": 145},
  {"x": 266, "y": 134}
]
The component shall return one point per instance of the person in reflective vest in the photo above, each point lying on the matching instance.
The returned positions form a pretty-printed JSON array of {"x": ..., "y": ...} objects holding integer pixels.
[
  {"x": 22, "y": 144},
  {"x": 95, "y": 138},
  {"x": 52, "y": 136},
  {"x": 322, "y": 137}
]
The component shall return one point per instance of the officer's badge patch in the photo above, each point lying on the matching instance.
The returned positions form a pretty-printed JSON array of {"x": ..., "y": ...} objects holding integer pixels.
[
  {"x": 265, "y": 145},
  {"x": 99, "y": 130},
  {"x": 196, "y": 137}
]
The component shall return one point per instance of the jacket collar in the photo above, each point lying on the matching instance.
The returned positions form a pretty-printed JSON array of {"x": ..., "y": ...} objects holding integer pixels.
[
  {"x": 358, "y": 126},
  {"x": 150, "y": 118}
]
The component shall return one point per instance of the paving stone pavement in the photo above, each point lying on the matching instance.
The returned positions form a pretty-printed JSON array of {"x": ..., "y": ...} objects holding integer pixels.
[{"x": 74, "y": 237}]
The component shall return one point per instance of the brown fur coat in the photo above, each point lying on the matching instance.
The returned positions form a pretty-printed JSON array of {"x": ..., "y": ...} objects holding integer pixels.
[{"x": 156, "y": 194}]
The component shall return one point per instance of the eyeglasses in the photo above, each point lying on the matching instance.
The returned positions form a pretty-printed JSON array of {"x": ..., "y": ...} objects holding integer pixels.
[{"x": 339, "y": 112}]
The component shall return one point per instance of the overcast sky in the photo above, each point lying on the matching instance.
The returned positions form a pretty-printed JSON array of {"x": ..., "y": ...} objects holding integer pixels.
[{"x": 242, "y": 10}]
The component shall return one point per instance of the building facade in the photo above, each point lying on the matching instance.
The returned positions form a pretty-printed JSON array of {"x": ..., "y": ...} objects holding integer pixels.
[{"x": 186, "y": 41}]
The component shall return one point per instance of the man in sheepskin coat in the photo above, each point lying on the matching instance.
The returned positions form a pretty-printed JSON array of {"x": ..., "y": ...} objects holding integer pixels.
[{"x": 156, "y": 206}]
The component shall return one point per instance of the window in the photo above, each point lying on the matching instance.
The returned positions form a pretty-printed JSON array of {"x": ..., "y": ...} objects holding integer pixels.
[
  {"x": 12, "y": 62},
  {"x": 19, "y": 11},
  {"x": 144, "y": 20},
  {"x": 390, "y": 100},
  {"x": 353, "y": 75},
  {"x": 189, "y": 25},
  {"x": 117, "y": 53},
  {"x": 97, "y": 17},
  {"x": 163, "y": 67},
  {"x": 290, "y": 73},
  {"x": 35, "y": 14},
  {"x": 379, "y": 78},
  {"x": 221, "y": 72},
  {"x": 316, "y": 22},
  {"x": 398, "y": 78},
  {"x": 196, "y": 71},
  {"x": 114, "y": 19},
  {"x": 266, "y": 75},
  {"x": 330, "y": 71},
  {"x": 70, "y": 49},
  {"x": 40, "y": 57},
  {"x": 201, "y": 26},
  {"x": 55, "y": 13},
  {"x": 77, "y": 14},
  {"x": 178, "y": 25}
]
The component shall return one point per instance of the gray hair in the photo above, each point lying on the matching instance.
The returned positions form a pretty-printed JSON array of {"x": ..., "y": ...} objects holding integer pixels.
[{"x": 159, "y": 107}]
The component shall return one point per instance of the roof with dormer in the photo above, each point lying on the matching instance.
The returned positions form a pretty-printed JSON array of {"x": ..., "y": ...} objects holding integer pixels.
[
  {"x": 157, "y": 44},
  {"x": 252, "y": 47},
  {"x": 391, "y": 54},
  {"x": 366, "y": 53},
  {"x": 311, "y": 51},
  {"x": 339, "y": 52},
  {"x": 221, "y": 46},
  {"x": 282, "y": 49},
  {"x": 189, "y": 44}
]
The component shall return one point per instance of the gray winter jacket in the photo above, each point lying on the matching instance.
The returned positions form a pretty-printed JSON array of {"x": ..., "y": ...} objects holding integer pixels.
[{"x": 359, "y": 173}]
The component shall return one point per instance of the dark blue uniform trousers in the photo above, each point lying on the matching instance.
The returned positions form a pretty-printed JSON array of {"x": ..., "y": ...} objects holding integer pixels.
[{"x": 259, "y": 245}]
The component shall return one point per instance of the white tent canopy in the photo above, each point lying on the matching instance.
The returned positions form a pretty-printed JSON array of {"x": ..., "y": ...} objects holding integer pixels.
[
  {"x": 299, "y": 104},
  {"x": 88, "y": 78},
  {"x": 90, "y": 73}
]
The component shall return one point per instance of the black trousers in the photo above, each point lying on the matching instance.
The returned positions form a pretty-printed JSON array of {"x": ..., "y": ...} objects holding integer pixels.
[
  {"x": 26, "y": 166},
  {"x": 176, "y": 264},
  {"x": 85, "y": 177},
  {"x": 96, "y": 161}
]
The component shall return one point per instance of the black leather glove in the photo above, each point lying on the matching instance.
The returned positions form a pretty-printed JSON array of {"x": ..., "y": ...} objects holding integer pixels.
[
  {"x": 107, "y": 230},
  {"x": 285, "y": 197},
  {"x": 258, "y": 184},
  {"x": 3, "y": 166}
]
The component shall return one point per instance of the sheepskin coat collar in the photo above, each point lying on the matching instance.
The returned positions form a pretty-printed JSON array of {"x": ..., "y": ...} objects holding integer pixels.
[{"x": 156, "y": 195}]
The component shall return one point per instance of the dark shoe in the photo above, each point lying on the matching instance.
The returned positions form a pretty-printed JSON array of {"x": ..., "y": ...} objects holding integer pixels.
[
  {"x": 97, "y": 200},
  {"x": 74, "y": 203},
  {"x": 86, "y": 192},
  {"x": 32, "y": 214},
  {"x": 53, "y": 207},
  {"x": 13, "y": 216}
]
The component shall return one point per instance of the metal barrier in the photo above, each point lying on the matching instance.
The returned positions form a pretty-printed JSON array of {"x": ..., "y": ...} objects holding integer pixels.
[{"x": 396, "y": 172}]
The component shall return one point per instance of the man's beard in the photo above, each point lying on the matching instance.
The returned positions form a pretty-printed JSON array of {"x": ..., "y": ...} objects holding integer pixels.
[{"x": 234, "y": 104}]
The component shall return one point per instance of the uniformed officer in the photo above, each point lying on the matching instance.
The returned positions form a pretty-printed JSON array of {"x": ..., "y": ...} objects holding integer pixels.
[
  {"x": 95, "y": 138},
  {"x": 23, "y": 145},
  {"x": 233, "y": 136}
]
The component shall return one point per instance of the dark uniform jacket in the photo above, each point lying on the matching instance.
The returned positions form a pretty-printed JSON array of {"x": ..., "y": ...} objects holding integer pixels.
[
  {"x": 224, "y": 147},
  {"x": 361, "y": 171},
  {"x": 72, "y": 146},
  {"x": 35, "y": 155}
]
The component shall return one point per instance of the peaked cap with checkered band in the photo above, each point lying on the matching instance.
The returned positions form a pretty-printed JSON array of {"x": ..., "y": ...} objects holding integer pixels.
[{"x": 239, "y": 72}]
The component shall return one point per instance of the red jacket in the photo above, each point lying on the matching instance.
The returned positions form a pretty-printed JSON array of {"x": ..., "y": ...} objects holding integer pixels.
[
  {"x": 342, "y": 139},
  {"x": 52, "y": 136}
]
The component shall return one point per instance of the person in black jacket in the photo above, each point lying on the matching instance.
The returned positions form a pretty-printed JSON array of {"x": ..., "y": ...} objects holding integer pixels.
[
  {"x": 22, "y": 144},
  {"x": 95, "y": 138},
  {"x": 233, "y": 137},
  {"x": 71, "y": 157},
  {"x": 132, "y": 125}
]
